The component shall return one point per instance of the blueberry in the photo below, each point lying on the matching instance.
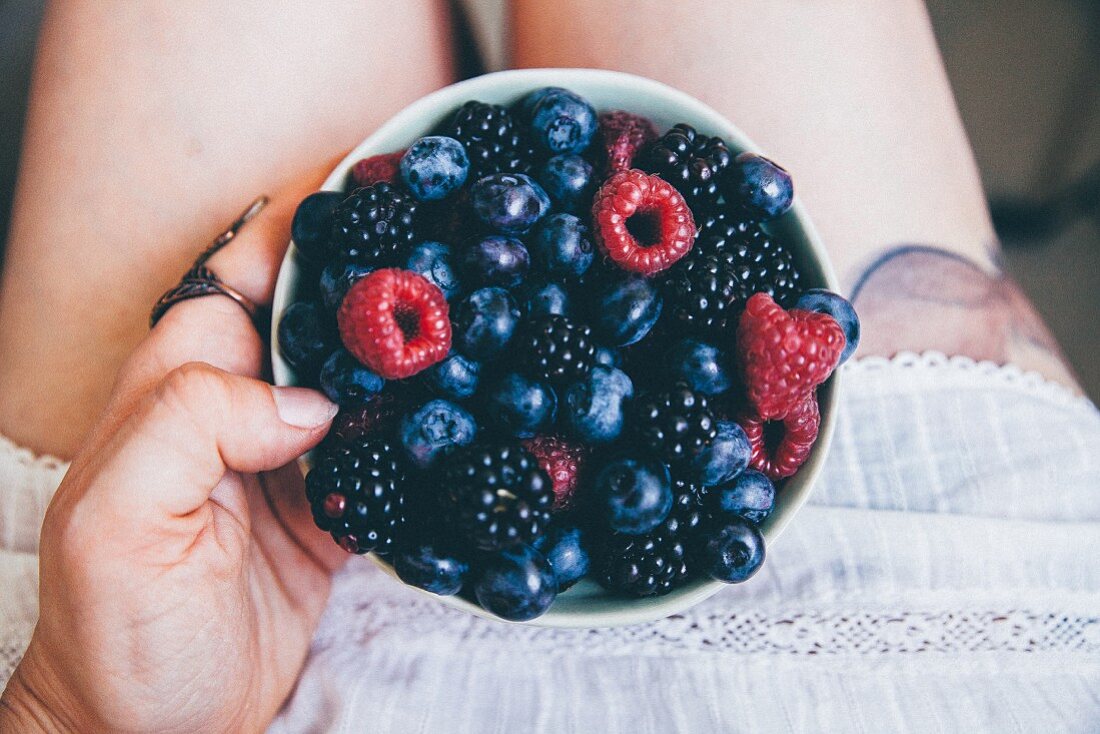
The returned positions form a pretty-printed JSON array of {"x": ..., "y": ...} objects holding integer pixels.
[
  {"x": 608, "y": 357},
  {"x": 635, "y": 494},
  {"x": 730, "y": 551},
  {"x": 431, "y": 568},
  {"x": 521, "y": 406},
  {"x": 761, "y": 187},
  {"x": 509, "y": 203},
  {"x": 517, "y": 584},
  {"x": 347, "y": 382},
  {"x": 435, "y": 261},
  {"x": 337, "y": 278},
  {"x": 311, "y": 227},
  {"x": 564, "y": 548},
  {"x": 562, "y": 122},
  {"x": 837, "y": 306},
  {"x": 437, "y": 426},
  {"x": 434, "y": 166},
  {"x": 307, "y": 336},
  {"x": 526, "y": 106},
  {"x": 496, "y": 260},
  {"x": 484, "y": 323},
  {"x": 702, "y": 366},
  {"x": 626, "y": 308},
  {"x": 725, "y": 457},
  {"x": 594, "y": 407},
  {"x": 568, "y": 180},
  {"x": 456, "y": 377},
  {"x": 545, "y": 298},
  {"x": 750, "y": 495},
  {"x": 562, "y": 246}
]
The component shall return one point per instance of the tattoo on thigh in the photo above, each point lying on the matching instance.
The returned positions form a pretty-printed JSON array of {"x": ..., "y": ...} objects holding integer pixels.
[{"x": 920, "y": 297}]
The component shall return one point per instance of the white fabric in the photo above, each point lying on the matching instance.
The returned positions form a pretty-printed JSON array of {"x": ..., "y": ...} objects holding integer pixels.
[{"x": 943, "y": 578}]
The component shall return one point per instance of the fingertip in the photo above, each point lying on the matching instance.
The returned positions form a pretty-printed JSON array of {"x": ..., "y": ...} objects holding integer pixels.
[{"x": 303, "y": 408}]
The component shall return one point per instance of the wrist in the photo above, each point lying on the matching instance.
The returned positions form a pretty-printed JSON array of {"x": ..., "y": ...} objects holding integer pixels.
[{"x": 24, "y": 708}]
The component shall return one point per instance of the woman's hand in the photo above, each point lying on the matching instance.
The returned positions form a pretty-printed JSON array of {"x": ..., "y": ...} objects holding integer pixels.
[{"x": 181, "y": 577}]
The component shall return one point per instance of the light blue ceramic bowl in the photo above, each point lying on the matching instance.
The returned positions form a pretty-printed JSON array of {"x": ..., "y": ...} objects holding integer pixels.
[{"x": 587, "y": 604}]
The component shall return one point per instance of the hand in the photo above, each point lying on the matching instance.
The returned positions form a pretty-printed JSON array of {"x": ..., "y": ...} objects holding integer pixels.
[{"x": 181, "y": 577}]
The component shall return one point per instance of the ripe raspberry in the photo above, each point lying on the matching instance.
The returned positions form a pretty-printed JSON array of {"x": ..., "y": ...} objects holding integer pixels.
[
  {"x": 779, "y": 456},
  {"x": 376, "y": 169},
  {"x": 623, "y": 134},
  {"x": 784, "y": 355},
  {"x": 395, "y": 322},
  {"x": 641, "y": 222},
  {"x": 561, "y": 460}
]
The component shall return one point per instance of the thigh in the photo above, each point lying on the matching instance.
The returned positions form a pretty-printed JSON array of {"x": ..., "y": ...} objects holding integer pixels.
[
  {"x": 150, "y": 126},
  {"x": 852, "y": 97}
]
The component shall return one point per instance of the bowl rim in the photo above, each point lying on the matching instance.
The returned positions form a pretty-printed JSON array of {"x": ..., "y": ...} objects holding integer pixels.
[{"x": 694, "y": 111}]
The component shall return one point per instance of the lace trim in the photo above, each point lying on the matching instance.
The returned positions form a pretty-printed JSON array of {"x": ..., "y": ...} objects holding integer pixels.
[
  {"x": 27, "y": 458},
  {"x": 1008, "y": 375},
  {"x": 794, "y": 633}
]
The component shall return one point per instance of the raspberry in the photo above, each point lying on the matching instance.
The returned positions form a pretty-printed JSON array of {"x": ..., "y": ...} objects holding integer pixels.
[
  {"x": 376, "y": 169},
  {"x": 641, "y": 222},
  {"x": 777, "y": 457},
  {"x": 561, "y": 460},
  {"x": 395, "y": 322},
  {"x": 784, "y": 355},
  {"x": 623, "y": 134}
]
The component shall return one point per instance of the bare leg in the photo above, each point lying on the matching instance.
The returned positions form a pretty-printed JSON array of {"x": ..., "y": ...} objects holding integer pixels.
[
  {"x": 151, "y": 125},
  {"x": 851, "y": 96}
]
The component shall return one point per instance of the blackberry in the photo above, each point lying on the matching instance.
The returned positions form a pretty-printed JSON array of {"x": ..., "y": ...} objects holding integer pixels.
[
  {"x": 704, "y": 293},
  {"x": 676, "y": 425},
  {"x": 659, "y": 561},
  {"x": 498, "y": 493},
  {"x": 494, "y": 142},
  {"x": 559, "y": 350},
  {"x": 355, "y": 493},
  {"x": 375, "y": 226},
  {"x": 689, "y": 161},
  {"x": 762, "y": 263}
]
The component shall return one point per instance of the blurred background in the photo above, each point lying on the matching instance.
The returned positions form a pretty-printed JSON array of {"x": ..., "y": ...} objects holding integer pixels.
[{"x": 1026, "y": 75}]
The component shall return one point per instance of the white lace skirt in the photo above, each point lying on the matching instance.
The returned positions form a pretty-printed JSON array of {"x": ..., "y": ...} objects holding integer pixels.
[{"x": 944, "y": 577}]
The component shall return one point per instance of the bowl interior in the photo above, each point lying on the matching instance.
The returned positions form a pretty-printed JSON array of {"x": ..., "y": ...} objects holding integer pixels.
[{"x": 587, "y": 604}]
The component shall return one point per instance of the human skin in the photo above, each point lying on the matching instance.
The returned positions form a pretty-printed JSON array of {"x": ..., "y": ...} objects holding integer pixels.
[
  {"x": 852, "y": 98},
  {"x": 151, "y": 125}
]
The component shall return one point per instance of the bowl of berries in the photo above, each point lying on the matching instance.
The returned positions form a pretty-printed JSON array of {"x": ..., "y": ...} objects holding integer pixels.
[{"x": 583, "y": 339}]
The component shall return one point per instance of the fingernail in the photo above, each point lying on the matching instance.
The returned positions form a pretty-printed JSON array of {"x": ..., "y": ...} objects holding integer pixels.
[{"x": 303, "y": 408}]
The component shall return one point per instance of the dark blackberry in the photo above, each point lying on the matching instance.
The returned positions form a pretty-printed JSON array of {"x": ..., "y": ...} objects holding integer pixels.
[
  {"x": 689, "y": 161},
  {"x": 704, "y": 293},
  {"x": 676, "y": 425},
  {"x": 559, "y": 350},
  {"x": 499, "y": 494},
  {"x": 659, "y": 561},
  {"x": 355, "y": 492},
  {"x": 494, "y": 142},
  {"x": 762, "y": 263},
  {"x": 374, "y": 226}
]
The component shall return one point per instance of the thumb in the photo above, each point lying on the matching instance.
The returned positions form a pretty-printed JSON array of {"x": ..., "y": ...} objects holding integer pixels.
[{"x": 198, "y": 423}]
